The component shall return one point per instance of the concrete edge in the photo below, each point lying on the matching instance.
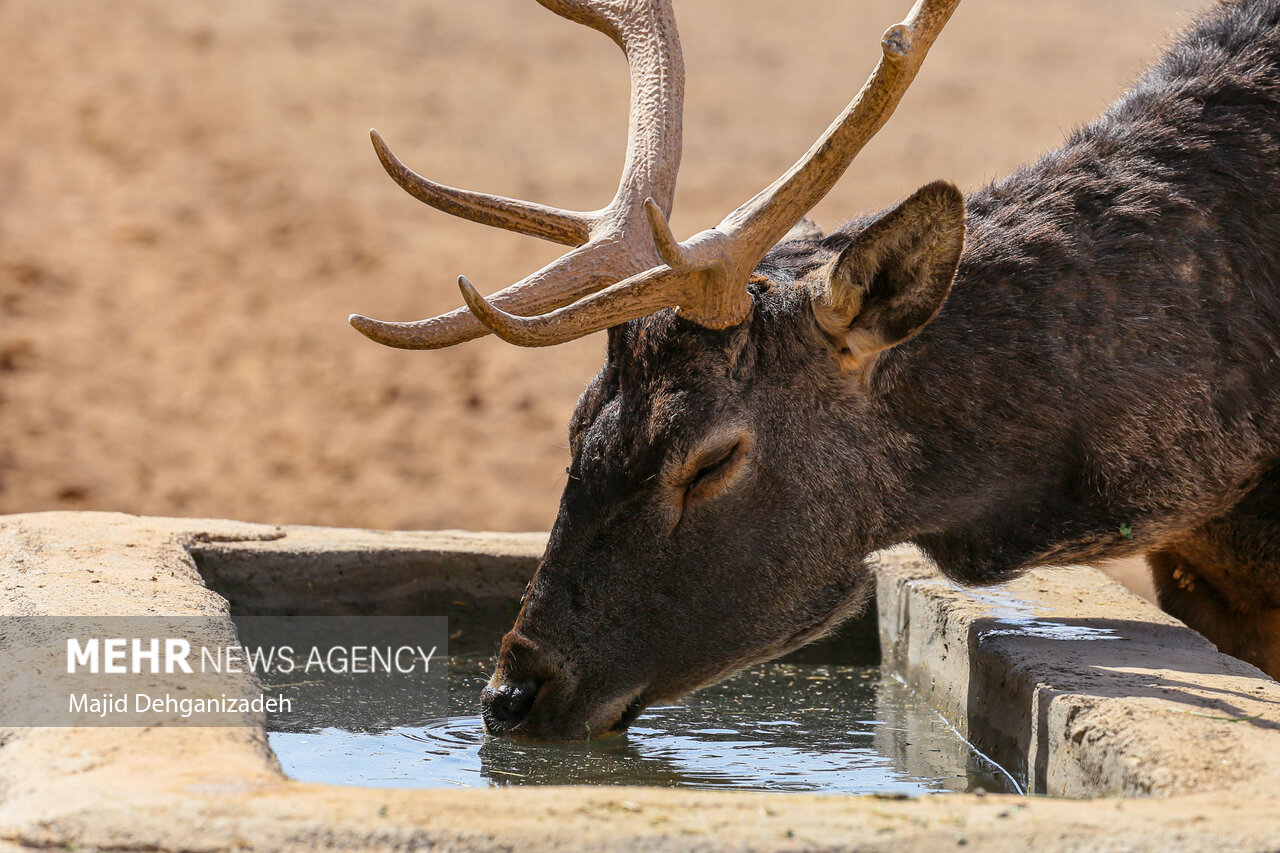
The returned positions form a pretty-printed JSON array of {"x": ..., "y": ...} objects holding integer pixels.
[{"x": 1077, "y": 686}]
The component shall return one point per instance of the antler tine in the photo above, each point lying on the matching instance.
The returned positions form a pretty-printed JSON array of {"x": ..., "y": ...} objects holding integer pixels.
[
  {"x": 772, "y": 212},
  {"x": 645, "y": 292},
  {"x": 691, "y": 268},
  {"x": 524, "y": 217},
  {"x": 585, "y": 269},
  {"x": 613, "y": 242},
  {"x": 705, "y": 277}
]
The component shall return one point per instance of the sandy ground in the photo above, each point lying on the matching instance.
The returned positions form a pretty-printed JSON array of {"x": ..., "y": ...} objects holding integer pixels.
[{"x": 189, "y": 208}]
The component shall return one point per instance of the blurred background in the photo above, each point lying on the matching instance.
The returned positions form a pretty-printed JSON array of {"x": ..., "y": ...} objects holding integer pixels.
[{"x": 190, "y": 207}]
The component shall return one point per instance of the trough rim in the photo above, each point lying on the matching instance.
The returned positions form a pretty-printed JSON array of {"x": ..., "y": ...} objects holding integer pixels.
[{"x": 197, "y": 789}]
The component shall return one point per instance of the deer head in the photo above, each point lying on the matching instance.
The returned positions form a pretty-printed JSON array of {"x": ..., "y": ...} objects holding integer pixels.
[{"x": 722, "y": 496}]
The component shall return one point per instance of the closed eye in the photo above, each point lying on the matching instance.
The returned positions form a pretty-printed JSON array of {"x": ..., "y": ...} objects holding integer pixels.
[
  {"x": 714, "y": 466},
  {"x": 716, "y": 470},
  {"x": 706, "y": 475}
]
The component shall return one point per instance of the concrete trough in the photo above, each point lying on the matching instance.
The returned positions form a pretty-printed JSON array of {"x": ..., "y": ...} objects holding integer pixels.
[{"x": 1145, "y": 737}]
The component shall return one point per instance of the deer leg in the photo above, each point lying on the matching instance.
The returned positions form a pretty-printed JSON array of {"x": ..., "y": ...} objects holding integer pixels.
[{"x": 1223, "y": 580}]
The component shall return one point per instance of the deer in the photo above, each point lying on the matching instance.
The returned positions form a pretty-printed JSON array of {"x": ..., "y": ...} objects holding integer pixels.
[{"x": 1076, "y": 362}]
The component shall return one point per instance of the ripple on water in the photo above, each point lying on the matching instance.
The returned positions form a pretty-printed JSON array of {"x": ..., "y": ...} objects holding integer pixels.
[{"x": 776, "y": 727}]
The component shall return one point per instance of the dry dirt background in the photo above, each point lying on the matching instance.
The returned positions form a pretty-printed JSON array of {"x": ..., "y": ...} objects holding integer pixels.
[{"x": 189, "y": 208}]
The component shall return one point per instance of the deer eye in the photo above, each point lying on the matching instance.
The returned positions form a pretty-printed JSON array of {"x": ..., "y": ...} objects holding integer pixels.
[{"x": 715, "y": 468}]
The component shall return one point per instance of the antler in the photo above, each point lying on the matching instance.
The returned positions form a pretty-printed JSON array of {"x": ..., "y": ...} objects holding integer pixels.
[
  {"x": 704, "y": 277},
  {"x": 616, "y": 238}
]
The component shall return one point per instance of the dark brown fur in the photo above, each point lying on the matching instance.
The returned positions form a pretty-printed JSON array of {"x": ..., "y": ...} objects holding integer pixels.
[
  {"x": 1221, "y": 578},
  {"x": 1103, "y": 379}
]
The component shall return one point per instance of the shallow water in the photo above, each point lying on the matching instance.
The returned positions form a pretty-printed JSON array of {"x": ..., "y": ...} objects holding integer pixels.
[{"x": 775, "y": 727}]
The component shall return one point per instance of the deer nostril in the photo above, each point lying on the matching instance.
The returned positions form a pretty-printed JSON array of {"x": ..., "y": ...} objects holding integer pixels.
[{"x": 507, "y": 705}]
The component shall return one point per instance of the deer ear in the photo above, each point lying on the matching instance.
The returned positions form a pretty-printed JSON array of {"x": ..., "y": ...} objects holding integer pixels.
[{"x": 893, "y": 276}]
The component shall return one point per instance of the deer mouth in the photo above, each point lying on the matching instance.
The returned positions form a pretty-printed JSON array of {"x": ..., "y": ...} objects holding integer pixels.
[
  {"x": 629, "y": 714},
  {"x": 622, "y": 712}
]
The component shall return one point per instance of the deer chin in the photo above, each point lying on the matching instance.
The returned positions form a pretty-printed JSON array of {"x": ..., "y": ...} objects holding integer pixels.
[
  {"x": 550, "y": 722},
  {"x": 615, "y": 718},
  {"x": 853, "y": 602}
]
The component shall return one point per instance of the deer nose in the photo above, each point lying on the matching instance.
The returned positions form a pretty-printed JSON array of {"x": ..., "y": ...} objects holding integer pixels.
[{"x": 506, "y": 705}]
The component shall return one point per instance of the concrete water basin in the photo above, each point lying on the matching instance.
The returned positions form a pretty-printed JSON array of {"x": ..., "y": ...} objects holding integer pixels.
[{"x": 1079, "y": 689}]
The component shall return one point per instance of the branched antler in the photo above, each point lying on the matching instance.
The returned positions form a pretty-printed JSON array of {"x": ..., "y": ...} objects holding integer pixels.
[{"x": 627, "y": 269}]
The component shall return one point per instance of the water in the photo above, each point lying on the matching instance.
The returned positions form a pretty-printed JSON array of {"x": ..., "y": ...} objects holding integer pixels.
[
  {"x": 776, "y": 727},
  {"x": 1018, "y": 618}
]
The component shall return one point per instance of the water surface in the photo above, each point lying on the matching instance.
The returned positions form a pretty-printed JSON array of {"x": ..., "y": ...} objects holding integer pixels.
[{"x": 776, "y": 727}]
